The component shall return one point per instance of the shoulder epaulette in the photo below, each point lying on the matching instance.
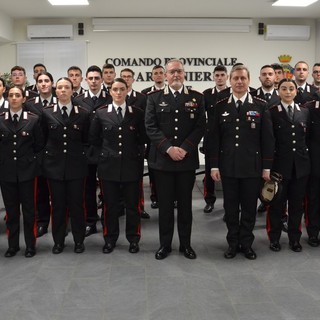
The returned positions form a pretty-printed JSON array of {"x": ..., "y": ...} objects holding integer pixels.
[
  {"x": 223, "y": 99},
  {"x": 154, "y": 91}
]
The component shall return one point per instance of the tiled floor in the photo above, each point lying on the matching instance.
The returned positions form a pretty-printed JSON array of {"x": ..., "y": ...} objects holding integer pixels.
[{"x": 120, "y": 286}]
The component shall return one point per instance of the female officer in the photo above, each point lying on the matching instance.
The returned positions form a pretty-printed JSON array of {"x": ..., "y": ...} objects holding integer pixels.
[
  {"x": 64, "y": 164},
  {"x": 117, "y": 131},
  {"x": 291, "y": 159},
  {"x": 21, "y": 140}
]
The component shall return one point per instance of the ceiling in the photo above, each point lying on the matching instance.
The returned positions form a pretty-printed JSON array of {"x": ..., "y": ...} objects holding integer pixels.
[{"x": 159, "y": 8}]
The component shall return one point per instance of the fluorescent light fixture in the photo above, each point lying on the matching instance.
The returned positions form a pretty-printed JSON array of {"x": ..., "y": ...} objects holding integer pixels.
[
  {"x": 171, "y": 24},
  {"x": 293, "y": 3},
  {"x": 69, "y": 2}
]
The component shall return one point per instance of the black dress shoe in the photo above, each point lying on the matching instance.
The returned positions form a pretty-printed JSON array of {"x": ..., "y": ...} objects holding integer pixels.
[
  {"x": 295, "y": 246},
  {"x": 262, "y": 208},
  {"x": 30, "y": 252},
  {"x": 188, "y": 252},
  {"x": 41, "y": 230},
  {"x": 275, "y": 246},
  {"x": 208, "y": 208},
  {"x": 313, "y": 241},
  {"x": 108, "y": 247},
  {"x": 162, "y": 253},
  {"x": 231, "y": 252},
  {"x": 134, "y": 247},
  {"x": 90, "y": 229},
  {"x": 11, "y": 252},
  {"x": 154, "y": 205},
  {"x": 144, "y": 215},
  {"x": 249, "y": 253},
  {"x": 79, "y": 247},
  {"x": 57, "y": 248}
]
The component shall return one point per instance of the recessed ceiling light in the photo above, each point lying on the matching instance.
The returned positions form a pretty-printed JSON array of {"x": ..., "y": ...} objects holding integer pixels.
[
  {"x": 293, "y": 3},
  {"x": 69, "y": 2}
]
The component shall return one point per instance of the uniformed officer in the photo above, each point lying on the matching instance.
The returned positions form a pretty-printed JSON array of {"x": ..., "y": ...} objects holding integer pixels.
[
  {"x": 108, "y": 76},
  {"x": 4, "y": 104},
  {"x": 175, "y": 124},
  {"x": 21, "y": 140},
  {"x": 75, "y": 75},
  {"x": 65, "y": 165},
  {"x": 117, "y": 131},
  {"x": 241, "y": 150},
  {"x": 37, "y": 69},
  {"x": 220, "y": 76},
  {"x": 92, "y": 100},
  {"x": 291, "y": 159},
  {"x": 36, "y": 105}
]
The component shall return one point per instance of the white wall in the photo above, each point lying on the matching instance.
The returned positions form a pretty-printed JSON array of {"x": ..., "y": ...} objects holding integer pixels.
[{"x": 249, "y": 48}]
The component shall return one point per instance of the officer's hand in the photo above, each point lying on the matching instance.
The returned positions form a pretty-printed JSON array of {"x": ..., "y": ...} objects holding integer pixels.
[
  {"x": 266, "y": 175},
  {"x": 175, "y": 154},
  {"x": 215, "y": 175}
]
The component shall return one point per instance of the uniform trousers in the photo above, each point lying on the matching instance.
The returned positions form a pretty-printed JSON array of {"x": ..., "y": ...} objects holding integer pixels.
[
  {"x": 43, "y": 202},
  {"x": 67, "y": 198},
  {"x": 113, "y": 192},
  {"x": 171, "y": 186},
  {"x": 240, "y": 197},
  {"x": 313, "y": 206},
  {"x": 208, "y": 183},
  {"x": 15, "y": 194},
  {"x": 91, "y": 195},
  {"x": 294, "y": 191},
  {"x": 153, "y": 191}
]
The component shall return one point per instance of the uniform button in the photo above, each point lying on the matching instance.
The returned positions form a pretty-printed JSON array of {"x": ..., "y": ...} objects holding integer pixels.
[
  {"x": 237, "y": 120},
  {"x": 120, "y": 136},
  {"x": 237, "y": 128},
  {"x": 294, "y": 149},
  {"x": 293, "y": 133},
  {"x": 293, "y": 141},
  {"x": 64, "y": 135},
  {"x": 14, "y": 158},
  {"x": 64, "y": 143},
  {"x": 14, "y": 143},
  {"x": 177, "y": 111},
  {"x": 176, "y": 128},
  {"x": 292, "y": 126},
  {"x": 120, "y": 152},
  {"x": 64, "y": 151},
  {"x": 120, "y": 144},
  {"x": 237, "y": 145},
  {"x": 14, "y": 135},
  {"x": 176, "y": 120},
  {"x": 237, "y": 137},
  {"x": 93, "y": 111},
  {"x": 175, "y": 137},
  {"x": 64, "y": 128},
  {"x": 120, "y": 128},
  {"x": 14, "y": 151}
]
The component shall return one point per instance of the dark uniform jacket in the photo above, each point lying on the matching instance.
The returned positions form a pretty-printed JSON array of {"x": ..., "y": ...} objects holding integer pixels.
[
  {"x": 170, "y": 123},
  {"x": 137, "y": 99},
  {"x": 291, "y": 151},
  {"x": 149, "y": 89},
  {"x": 309, "y": 94},
  {"x": 274, "y": 100},
  {"x": 314, "y": 136},
  {"x": 35, "y": 105},
  {"x": 64, "y": 156},
  {"x": 241, "y": 144},
  {"x": 4, "y": 106},
  {"x": 118, "y": 144},
  {"x": 19, "y": 147}
]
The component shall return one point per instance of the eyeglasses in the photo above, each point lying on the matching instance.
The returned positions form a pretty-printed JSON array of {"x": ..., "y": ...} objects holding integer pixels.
[
  {"x": 178, "y": 71},
  {"x": 118, "y": 89}
]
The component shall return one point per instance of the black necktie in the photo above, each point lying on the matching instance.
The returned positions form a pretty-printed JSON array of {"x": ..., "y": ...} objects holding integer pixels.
[
  {"x": 176, "y": 95},
  {"x": 64, "y": 113},
  {"x": 268, "y": 96},
  {"x": 119, "y": 113},
  {"x": 239, "y": 105},
  {"x": 94, "y": 98},
  {"x": 300, "y": 90},
  {"x": 75, "y": 94},
  {"x": 45, "y": 103},
  {"x": 290, "y": 112},
  {"x": 15, "y": 119}
]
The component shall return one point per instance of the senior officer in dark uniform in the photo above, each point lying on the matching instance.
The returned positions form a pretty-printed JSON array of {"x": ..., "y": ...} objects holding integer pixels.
[
  {"x": 175, "y": 124},
  {"x": 117, "y": 131},
  {"x": 44, "y": 82},
  {"x": 20, "y": 140},
  {"x": 291, "y": 159},
  {"x": 92, "y": 100},
  {"x": 241, "y": 150},
  {"x": 312, "y": 207},
  {"x": 65, "y": 165}
]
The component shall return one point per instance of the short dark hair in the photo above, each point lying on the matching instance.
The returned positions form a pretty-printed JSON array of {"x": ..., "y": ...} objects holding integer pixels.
[
  {"x": 157, "y": 66},
  {"x": 18, "y": 68},
  {"x": 74, "y": 68},
  {"x": 94, "y": 68},
  {"x": 127, "y": 70},
  {"x": 277, "y": 66},
  {"x": 39, "y": 65},
  {"x": 266, "y": 66},
  {"x": 45, "y": 73},
  {"x": 317, "y": 64},
  {"x": 220, "y": 67},
  {"x": 108, "y": 66},
  {"x": 3, "y": 81}
]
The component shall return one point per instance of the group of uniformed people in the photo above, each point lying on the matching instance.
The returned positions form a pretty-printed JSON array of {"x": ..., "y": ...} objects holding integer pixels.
[{"x": 55, "y": 141}]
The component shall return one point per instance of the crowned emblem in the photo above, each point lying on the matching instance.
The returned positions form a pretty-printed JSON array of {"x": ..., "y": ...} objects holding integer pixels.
[{"x": 287, "y": 68}]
